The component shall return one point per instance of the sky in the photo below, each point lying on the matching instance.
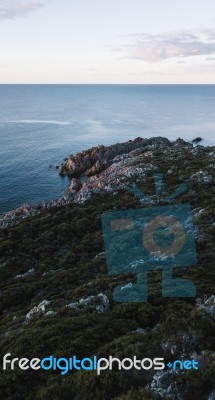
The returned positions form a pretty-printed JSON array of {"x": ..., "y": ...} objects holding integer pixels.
[{"x": 107, "y": 41}]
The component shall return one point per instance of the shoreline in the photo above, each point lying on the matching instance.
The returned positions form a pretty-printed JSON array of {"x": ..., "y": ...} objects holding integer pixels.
[{"x": 101, "y": 168}]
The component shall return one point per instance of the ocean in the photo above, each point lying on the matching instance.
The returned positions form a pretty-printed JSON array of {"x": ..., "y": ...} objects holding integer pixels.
[{"x": 40, "y": 125}]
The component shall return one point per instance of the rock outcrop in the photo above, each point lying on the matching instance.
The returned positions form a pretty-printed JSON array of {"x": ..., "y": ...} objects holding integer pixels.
[
  {"x": 207, "y": 304},
  {"x": 96, "y": 159},
  {"x": 37, "y": 310},
  {"x": 99, "y": 303},
  {"x": 164, "y": 386}
]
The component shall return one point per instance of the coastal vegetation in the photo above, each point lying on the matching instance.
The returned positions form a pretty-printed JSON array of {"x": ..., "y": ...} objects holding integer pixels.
[{"x": 58, "y": 256}]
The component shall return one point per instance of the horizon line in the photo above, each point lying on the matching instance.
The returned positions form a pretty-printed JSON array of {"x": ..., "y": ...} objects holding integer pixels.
[{"x": 117, "y": 84}]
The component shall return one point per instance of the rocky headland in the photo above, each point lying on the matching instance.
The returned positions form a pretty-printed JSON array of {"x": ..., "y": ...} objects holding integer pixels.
[
  {"x": 109, "y": 168},
  {"x": 57, "y": 297}
]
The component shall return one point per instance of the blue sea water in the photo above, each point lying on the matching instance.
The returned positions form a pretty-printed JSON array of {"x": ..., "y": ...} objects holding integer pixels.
[{"x": 42, "y": 124}]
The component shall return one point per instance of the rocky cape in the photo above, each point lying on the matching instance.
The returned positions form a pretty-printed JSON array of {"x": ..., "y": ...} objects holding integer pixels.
[{"x": 107, "y": 168}]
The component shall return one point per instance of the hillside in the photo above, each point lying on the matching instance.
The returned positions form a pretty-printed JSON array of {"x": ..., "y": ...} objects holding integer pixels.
[{"x": 54, "y": 255}]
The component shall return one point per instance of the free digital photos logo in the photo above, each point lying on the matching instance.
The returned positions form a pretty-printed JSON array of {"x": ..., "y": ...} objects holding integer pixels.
[{"x": 150, "y": 238}]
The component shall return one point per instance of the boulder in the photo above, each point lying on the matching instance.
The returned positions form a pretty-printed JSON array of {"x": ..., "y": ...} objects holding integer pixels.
[
  {"x": 100, "y": 303},
  {"x": 37, "y": 310},
  {"x": 75, "y": 185},
  {"x": 207, "y": 304}
]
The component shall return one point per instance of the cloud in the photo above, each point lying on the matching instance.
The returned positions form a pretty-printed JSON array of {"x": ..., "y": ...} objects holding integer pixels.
[
  {"x": 180, "y": 44},
  {"x": 10, "y": 9}
]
